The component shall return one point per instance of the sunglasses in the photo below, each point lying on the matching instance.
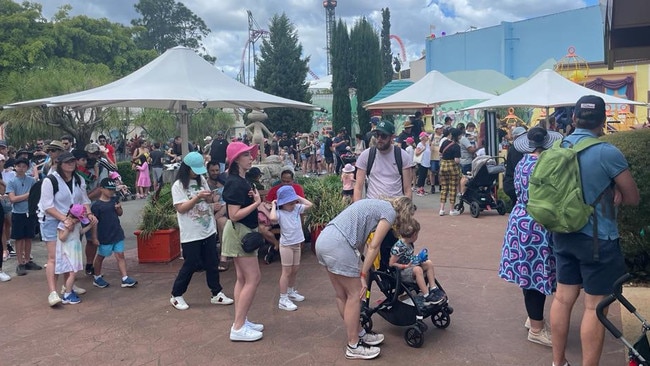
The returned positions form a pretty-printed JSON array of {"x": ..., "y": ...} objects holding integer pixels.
[{"x": 382, "y": 136}]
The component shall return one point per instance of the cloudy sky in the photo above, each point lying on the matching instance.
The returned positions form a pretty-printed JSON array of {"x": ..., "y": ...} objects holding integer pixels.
[{"x": 411, "y": 20}]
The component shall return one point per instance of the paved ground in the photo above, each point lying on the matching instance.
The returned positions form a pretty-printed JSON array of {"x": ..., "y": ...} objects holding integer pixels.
[{"x": 138, "y": 326}]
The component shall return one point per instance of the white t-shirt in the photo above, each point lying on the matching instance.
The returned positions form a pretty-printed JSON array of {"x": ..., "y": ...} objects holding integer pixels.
[
  {"x": 291, "y": 226},
  {"x": 409, "y": 150},
  {"x": 426, "y": 154},
  {"x": 197, "y": 223}
]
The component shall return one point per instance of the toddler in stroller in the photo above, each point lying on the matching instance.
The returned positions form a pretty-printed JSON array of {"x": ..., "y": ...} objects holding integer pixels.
[
  {"x": 408, "y": 298},
  {"x": 123, "y": 192},
  {"x": 480, "y": 189}
]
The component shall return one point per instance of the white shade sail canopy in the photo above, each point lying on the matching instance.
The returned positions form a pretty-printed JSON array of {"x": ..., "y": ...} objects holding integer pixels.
[
  {"x": 432, "y": 90},
  {"x": 178, "y": 76},
  {"x": 547, "y": 89}
]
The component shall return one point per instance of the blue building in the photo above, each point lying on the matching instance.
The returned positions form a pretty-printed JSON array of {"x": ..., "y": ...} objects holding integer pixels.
[{"x": 516, "y": 49}]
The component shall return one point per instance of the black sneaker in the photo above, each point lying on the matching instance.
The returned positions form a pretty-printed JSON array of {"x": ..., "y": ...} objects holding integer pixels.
[
  {"x": 436, "y": 296},
  {"x": 11, "y": 250},
  {"x": 90, "y": 270},
  {"x": 270, "y": 254},
  {"x": 31, "y": 266},
  {"x": 21, "y": 270}
]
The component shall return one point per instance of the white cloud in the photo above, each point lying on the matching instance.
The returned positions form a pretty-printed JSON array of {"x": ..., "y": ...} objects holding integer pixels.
[{"x": 411, "y": 20}]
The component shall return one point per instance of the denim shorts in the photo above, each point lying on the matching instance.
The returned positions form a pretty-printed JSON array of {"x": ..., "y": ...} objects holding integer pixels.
[
  {"x": 48, "y": 229},
  {"x": 466, "y": 168},
  {"x": 105, "y": 250},
  {"x": 574, "y": 258},
  {"x": 435, "y": 166}
]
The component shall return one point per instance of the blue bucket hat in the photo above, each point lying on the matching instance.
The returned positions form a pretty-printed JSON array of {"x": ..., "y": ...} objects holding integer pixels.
[{"x": 286, "y": 194}]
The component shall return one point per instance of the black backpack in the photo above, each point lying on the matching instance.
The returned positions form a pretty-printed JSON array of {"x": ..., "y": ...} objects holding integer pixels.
[
  {"x": 371, "y": 160},
  {"x": 35, "y": 192}
]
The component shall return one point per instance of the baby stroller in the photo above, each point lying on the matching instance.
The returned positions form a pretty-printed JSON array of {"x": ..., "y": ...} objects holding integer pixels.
[
  {"x": 399, "y": 305},
  {"x": 480, "y": 189},
  {"x": 639, "y": 352},
  {"x": 122, "y": 192}
]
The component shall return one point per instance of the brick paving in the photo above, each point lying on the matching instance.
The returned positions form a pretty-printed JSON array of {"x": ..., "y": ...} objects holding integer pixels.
[{"x": 138, "y": 326}]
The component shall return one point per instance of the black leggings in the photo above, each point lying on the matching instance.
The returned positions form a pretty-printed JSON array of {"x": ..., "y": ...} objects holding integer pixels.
[
  {"x": 422, "y": 175},
  {"x": 200, "y": 254},
  {"x": 534, "y": 301}
]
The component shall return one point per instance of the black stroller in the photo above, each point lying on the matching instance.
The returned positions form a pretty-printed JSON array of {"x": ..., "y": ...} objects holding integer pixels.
[
  {"x": 639, "y": 352},
  {"x": 480, "y": 191},
  {"x": 399, "y": 305}
]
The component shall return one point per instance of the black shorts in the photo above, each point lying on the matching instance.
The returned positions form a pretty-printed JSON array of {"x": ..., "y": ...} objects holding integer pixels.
[
  {"x": 22, "y": 227},
  {"x": 329, "y": 159},
  {"x": 348, "y": 192}
]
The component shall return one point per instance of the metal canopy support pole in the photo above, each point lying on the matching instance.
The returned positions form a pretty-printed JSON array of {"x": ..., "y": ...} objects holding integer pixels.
[
  {"x": 491, "y": 134},
  {"x": 185, "y": 117}
]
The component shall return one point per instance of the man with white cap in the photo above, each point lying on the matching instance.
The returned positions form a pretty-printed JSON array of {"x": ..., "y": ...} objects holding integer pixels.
[
  {"x": 512, "y": 158},
  {"x": 206, "y": 148}
]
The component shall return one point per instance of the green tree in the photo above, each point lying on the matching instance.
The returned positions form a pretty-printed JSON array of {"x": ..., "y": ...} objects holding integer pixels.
[
  {"x": 23, "y": 36},
  {"x": 341, "y": 78},
  {"x": 166, "y": 24},
  {"x": 366, "y": 67},
  {"x": 59, "y": 77},
  {"x": 386, "y": 53},
  {"x": 282, "y": 72}
]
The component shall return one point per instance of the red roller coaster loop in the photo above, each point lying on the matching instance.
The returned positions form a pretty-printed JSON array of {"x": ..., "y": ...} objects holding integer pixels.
[{"x": 401, "y": 46}]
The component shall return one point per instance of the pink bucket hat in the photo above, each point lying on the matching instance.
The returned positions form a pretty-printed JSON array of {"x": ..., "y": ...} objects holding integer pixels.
[
  {"x": 79, "y": 211},
  {"x": 409, "y": 140},
  {"x": 235, "y": 149}
]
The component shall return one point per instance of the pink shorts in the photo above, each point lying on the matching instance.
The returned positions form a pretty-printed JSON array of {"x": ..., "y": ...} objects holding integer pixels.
[{"x": 290, "y": 255}]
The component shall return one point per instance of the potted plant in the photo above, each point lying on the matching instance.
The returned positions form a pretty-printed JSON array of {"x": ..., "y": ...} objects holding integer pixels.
[
  {"x": 158, "y": 236},
  {"x": 325, "y": 194}
]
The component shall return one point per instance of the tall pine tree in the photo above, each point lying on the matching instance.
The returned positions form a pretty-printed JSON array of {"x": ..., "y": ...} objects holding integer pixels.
[
  {"x": 366, "y": 67},
  {"x": 281, "y": 72},
  {"x": 341, "y": 78},
  {"x": 386, "y": 54}
]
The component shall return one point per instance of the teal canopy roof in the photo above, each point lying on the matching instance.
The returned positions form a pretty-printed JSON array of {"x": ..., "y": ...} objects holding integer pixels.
[{"x": 391, "y": 88}]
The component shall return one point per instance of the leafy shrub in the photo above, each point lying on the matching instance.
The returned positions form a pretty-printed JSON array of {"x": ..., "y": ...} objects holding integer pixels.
[
  {"x": 158, "y": 214},
  {"x": 633, "y": 221},
  {"x": 325, "y": 194}
]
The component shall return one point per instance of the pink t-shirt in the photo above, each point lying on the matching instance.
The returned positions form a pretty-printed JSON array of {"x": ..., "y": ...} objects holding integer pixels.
[{"x": 348, "y": 181}]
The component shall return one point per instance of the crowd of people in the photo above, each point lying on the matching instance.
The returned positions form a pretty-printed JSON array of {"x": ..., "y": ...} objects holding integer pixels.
[{"x": 218, "y": 199}]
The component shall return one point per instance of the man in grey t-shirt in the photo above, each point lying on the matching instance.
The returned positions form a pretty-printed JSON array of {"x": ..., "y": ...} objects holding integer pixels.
[{"x": 385, "y": 180}]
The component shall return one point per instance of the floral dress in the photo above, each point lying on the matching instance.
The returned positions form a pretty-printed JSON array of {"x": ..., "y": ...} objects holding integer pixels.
[{"x": 526, "y": 256}]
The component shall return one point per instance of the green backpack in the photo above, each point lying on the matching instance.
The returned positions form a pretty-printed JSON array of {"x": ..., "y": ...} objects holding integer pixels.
[{"x": 555, "y": 198}]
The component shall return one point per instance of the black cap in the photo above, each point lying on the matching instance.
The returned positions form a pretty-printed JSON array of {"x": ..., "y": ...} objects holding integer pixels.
[
  {"x": 80, "y": 154},
  {"x": 108, "y": 183},
  {"x": 65, "y": 157},
  {"x": 590, "y": 107},
  {"x": 21, "y": 161}
]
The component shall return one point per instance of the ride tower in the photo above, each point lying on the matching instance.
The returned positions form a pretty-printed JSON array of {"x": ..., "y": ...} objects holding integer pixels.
[{"x": 330, "y": 19}]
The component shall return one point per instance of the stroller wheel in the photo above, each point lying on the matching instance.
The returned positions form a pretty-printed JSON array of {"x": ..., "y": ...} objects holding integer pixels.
[
  {"x": 441, "y": 319},
  {"x": 414, "y": 337},
  {"x": 475, "y": 209},
  {"x": 366, "y": 322},
  {"x": 501, "y": 207},
  {"x": 460, "y": 207}
]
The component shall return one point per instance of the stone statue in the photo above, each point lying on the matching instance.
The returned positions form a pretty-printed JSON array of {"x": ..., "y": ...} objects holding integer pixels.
[{"x": 257, "y": 129}]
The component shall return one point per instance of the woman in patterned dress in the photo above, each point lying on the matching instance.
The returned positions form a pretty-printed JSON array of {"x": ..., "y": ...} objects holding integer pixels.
[{"x": 526, "y": 258}]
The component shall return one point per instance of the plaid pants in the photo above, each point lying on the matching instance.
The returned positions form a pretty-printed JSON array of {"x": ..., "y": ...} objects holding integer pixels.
[{"x": 449, "y": 178}]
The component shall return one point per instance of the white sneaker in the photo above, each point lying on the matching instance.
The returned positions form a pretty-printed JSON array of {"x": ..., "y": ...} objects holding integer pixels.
[
  {"x": 454, "y": 213},
  {"x": 254, "y": 326},
  {"x": 372, "y": 339},
  {"x": 245, "y": 334},
  {"x": 295, "y": 296},
  {"x": 53, "y": 298},
  {"x": 4, "y": 277},
  {"x": 75, "y": 288},
  {"x": 442, "y": 212},
  {"x": 362, "y": 351},
  {"x": 179, "y": 303},
  {"x": 221, "y": 299},
  {"x": 543, "y": 337},
  {"x": 286, "y": 304}
]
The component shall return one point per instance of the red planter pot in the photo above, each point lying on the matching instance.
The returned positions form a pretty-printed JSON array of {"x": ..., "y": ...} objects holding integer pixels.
[
  {"x": 162, "y": 246},
  {"x": 314, "y": 233}
]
